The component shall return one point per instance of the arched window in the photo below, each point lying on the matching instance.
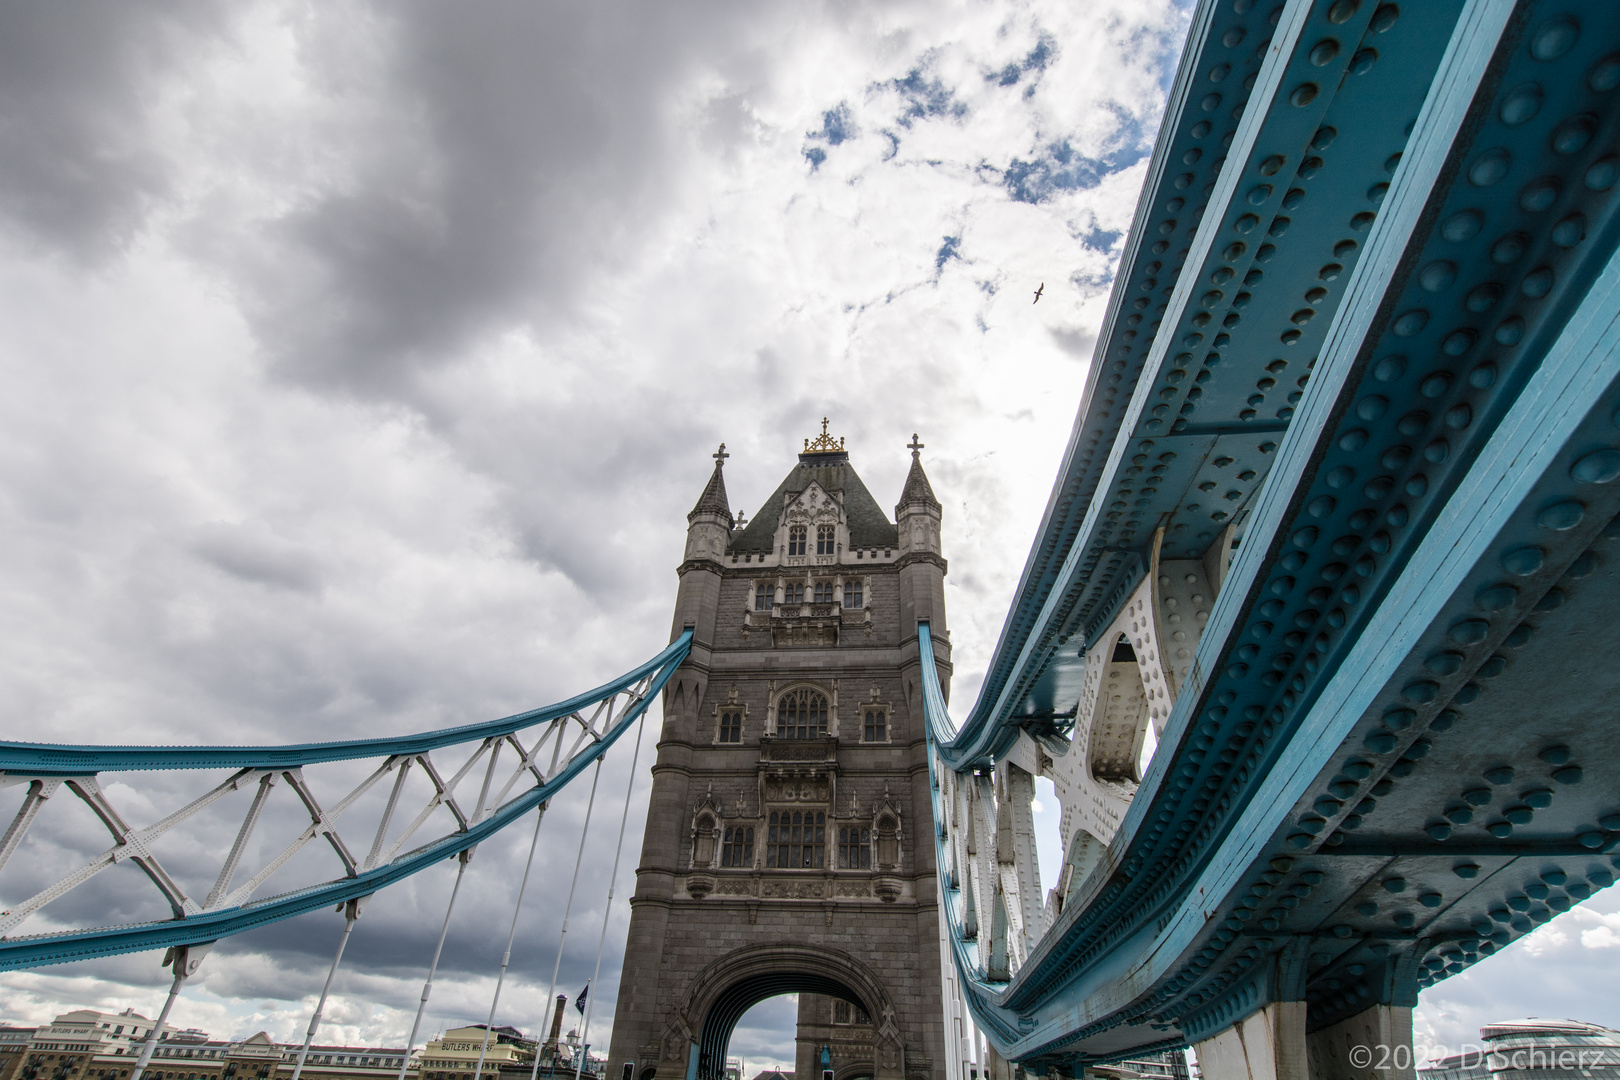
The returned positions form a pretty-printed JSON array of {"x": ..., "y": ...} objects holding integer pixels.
[
  {"x": 823, "y": 592},
  {"x": 845, "y": 1012},
  {"x": 737, "y": 849},
  {"x": 877, "y": 726},
  {"x": 825, "y": 539},
  {"x": 852, "y": 593},
  {"x": 854, "y": 848},
  {"x": 793, "y": 593},
  {"x": 763, "y": 595},
  {"x": 731, "y": 721},
  {"x": 796, "y": 539},
  {"x": 797, "y": 840},
  {"x": 801, "y": 714}
]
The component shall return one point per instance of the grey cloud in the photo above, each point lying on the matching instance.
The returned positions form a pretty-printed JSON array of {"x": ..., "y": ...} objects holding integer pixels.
[
  {"x": 78, "y": 168},
  {"x": 252, "y": 555},
  {"x": 422, "y": 536},
  {"x": 1075, "y": 341},
  {"x": 538, "y": 143}
]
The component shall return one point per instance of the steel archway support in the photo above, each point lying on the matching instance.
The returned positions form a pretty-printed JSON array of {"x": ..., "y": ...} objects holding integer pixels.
[{"x": 514, "y": 765}]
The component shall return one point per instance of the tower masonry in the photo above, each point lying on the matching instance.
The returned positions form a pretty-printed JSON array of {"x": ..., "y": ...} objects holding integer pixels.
[{"x": 787, "y": 847}]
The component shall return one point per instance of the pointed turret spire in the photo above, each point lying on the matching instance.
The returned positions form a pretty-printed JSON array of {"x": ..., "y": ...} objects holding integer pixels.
[
  {"x": 713, "y": 500},
  {"x": 917, "y": 489}
]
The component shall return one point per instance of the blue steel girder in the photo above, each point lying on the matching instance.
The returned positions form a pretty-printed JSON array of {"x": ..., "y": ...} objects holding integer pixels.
[
  {"x": 535, "y": 774},
  {"x": 1275, "y": 154},
  {"x": 1443, "y": 481}
]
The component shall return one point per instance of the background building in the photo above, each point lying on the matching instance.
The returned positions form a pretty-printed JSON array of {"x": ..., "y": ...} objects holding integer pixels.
[
  {"x": 88, "y": 1045},
  {"x": 1534, "y": 1049}
]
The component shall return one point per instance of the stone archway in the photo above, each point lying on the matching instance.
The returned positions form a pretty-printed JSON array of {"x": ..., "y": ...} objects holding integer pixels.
[{"x": 734, "y": 983}]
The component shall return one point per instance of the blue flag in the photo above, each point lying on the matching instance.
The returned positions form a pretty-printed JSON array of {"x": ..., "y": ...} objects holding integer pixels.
[{"x": 579, "y": 1002}]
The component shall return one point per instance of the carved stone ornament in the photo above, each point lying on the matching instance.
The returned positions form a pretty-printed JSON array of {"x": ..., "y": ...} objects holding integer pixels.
[
  {"x": 792, "y": 890},
  {"x": 887, "y": 887},
  {"x": 677, "y": 1037}
]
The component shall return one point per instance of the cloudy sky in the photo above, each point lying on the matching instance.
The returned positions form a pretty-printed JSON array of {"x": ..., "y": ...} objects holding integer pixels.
[{"x": 362, "y": 361}]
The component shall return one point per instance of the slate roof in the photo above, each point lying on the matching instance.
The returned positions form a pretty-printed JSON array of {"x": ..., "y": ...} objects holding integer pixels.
[
  {"x": 713, "y": 500},
  {"x": 917, "y": 488},
  {"x": 869, "y": 526}
]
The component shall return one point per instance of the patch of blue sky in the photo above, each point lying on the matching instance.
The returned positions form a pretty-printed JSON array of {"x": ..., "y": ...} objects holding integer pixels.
[
  {"x": 837, "y": 128},
  {"x": 924, "y": 98},
  {"x": 1160, "y": 47},
  {"x": 1101, "y": 239},
  {"x": 1092, "y": 282},
  {"x": 1059, "y": 167},
  {"x": 837, "y": 125},
  {"x": 1038, "y": 59},
  {"x": 950, "y": 249}
]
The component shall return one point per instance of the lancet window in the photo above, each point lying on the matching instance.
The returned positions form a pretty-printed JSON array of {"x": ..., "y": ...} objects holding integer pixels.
[
  {"x": 854, "y": 848},
  {"x": 801, "y": 714},
  {"x": 852, "y": 594},
  {"x": 846, "y": 1013},
  {"x": 876, "y": 725},
  {"x": 826, "y": 540},
  {"x": 796, "y": 539},
  {"x": 737, "y": 847},
  {"x": 797, "y": 840}
]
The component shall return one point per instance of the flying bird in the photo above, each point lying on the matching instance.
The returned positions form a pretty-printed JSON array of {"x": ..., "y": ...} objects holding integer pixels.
[{"x": 1038, "y": 293}]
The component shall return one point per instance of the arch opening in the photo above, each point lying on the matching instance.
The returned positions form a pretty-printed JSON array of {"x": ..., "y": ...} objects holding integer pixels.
[
  {"x": 730, "y": 1005},
  {"x": 1120, "y": 726}
]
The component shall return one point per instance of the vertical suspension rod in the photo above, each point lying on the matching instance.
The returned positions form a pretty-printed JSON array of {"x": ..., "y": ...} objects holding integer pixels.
[
  {"x": 568, "y": 907},
  {"x": 351, "y": 912},
  {"x": 156, "y": 1033},
  {"x": 607, "y": 909},
  {"x": 427, "y": 987},
  {"x": 184, "y": 961},
  {"x": 506, "y": 957}
]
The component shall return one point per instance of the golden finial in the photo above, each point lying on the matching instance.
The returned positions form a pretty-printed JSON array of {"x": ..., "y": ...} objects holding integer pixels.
[{"x": 823, "y": 443}]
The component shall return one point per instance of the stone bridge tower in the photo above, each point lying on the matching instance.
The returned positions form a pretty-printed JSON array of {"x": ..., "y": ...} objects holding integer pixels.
[{"x": 787, "y": 846}]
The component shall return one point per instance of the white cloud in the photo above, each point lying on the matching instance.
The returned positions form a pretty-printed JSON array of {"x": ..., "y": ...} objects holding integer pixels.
[
  {"x": 1552, "y": 972},
  {"x": 363, "y": 360}
]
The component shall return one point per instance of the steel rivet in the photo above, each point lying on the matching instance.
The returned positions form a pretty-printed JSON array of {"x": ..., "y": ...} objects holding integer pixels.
[{"x": 1522, "y": 104}]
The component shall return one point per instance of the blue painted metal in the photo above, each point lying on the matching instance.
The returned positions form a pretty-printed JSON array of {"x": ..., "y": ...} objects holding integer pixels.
[
  {"x": 1178, "y": 367},
  {"x": 1458, "y": 390},
  {"x": 33, "y": 760}
]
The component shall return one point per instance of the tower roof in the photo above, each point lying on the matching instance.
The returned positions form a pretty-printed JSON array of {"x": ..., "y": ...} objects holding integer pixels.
[
  {"x": 829, "y": 467},
  {"x": 917, "y": 488},
  {"x": 713, "y": 500}
]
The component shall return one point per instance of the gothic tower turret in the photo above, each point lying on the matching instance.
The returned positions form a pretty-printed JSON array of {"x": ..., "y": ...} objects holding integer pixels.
[
  {"x": 788, "y": 845},
  {"x": 708, "y": 532},
  {"x": 922, "y": 567}
]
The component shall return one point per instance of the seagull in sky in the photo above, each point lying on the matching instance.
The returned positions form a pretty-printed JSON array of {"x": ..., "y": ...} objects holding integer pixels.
[{"x": 1038, "y": 293}]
